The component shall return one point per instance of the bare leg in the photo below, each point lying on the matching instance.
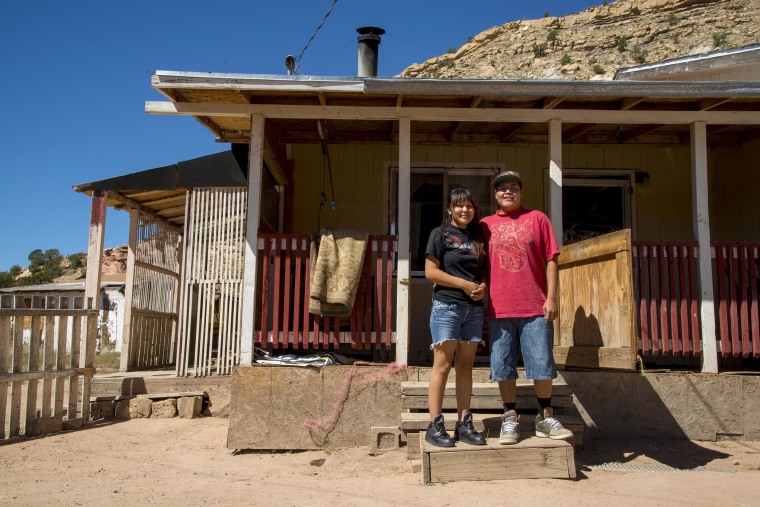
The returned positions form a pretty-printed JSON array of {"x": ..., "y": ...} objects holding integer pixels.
[
  {"x": 543, "y": 389},
  {"x": 463, "y": 366},
  {"x": 443, "y": 355}
]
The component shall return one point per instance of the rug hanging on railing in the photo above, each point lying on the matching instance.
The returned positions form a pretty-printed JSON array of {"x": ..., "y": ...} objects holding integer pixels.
[{"x": 336, "y": 269}]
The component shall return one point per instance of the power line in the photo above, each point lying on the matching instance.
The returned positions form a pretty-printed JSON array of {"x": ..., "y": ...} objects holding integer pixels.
[{"x": 298, "y": 58}]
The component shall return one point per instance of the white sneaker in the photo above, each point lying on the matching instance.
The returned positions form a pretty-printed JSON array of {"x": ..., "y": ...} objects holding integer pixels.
[{"x": 510, "y": 428}]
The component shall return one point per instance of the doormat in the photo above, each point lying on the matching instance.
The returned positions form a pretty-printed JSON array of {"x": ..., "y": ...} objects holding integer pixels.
[{"x": 630, "y": 467}]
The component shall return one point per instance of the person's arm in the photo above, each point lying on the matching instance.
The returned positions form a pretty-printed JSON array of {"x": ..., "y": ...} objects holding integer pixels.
[
  {"x": 552, "y": 281},
  {"x": 439, "y": 277}
]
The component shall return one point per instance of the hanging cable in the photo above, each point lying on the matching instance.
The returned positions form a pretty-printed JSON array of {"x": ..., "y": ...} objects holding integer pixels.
[
  {"x": 296, "y": 63},
  {"x": 322, "y": 130}
]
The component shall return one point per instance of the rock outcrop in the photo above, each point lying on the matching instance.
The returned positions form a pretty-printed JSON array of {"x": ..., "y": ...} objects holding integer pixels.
[{"x": 594, "y": 43}]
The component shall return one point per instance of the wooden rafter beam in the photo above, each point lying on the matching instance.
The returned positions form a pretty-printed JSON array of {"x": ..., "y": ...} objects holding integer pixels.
[
  {"x": 629, "y": 135},
  {"x": 630, "y": 102},
  {"x": 707, "y": 104},
  {"x": 569, "y": 135},
  {"x": 552, "y": 102},
  {"x": 473, "y": 104},
  {"x": 130, "y": 203},
  {"x": 511, "y": 130}
]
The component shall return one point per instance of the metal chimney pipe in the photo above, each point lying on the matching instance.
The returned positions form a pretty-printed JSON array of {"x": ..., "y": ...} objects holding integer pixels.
[{"x": 369, "y": 40}]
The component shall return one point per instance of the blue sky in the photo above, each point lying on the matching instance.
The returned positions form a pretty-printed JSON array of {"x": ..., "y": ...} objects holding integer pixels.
[{"x": 74, "y": 77}]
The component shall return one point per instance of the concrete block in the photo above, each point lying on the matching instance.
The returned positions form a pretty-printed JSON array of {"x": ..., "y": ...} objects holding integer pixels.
[
  {"x": 164, "y": 409},
  {"x": 73, "y": 424},
  {"x": 750, "y": 407},
  {"x": 384, "y": 439},
  {"x": 50, "y": 424},
  {"x": 102, "y": 410},
  {"x": 121, "y": 410},
  {"x": 281, "y": 407},
  {"x": 189, "y": 407}
]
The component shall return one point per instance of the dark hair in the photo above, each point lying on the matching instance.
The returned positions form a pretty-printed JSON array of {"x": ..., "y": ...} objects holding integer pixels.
[{"x": 459, "y": 195}]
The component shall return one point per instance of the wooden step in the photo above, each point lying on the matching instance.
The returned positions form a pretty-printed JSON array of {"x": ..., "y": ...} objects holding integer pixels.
[
  {"x": 485, "y": 395},
  {"x": 413, "y": 426},
  {"x": 530, "y": 458}
]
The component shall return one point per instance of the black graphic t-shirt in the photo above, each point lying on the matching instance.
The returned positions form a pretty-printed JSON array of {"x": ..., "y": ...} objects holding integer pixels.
[{"x": 457, "y": 256}]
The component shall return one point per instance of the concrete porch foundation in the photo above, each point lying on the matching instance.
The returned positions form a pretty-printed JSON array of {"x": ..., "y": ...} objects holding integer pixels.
[{"x": 281, "y": 407}]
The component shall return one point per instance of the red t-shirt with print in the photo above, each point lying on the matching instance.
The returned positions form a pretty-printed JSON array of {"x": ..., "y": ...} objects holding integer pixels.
[{"x": 519, "y": 244}]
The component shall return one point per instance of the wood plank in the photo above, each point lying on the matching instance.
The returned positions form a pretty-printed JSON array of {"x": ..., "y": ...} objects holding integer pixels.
[
  {"x": 35, "y": 341},
  {"x": 6, "y": 338},
  {"x": 532, "y": 458},
  {"x": 482, "y": 388},
  {"x": 484, "y": 402},
  {"x": 594, "y": 357}
]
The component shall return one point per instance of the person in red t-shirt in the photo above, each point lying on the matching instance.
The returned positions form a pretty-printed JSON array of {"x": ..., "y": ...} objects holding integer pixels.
[{"x": 522, "y": 303}]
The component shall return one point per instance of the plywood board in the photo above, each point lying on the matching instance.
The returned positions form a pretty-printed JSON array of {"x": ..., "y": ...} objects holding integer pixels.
[{"x": 596, "y": 326}]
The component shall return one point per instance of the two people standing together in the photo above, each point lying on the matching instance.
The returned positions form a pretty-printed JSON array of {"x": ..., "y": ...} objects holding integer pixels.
[{"x": 512, "y": 255}]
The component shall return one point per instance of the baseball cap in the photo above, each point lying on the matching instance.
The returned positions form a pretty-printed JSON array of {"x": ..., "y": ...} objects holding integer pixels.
[{"x": 507, "y": 176}]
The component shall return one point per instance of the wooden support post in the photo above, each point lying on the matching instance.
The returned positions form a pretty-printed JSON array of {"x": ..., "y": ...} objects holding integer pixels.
[
  {"x": 128, "y": 343},
  {"x": 555, "y": 178},
  {"x": 402, "y": 271},
  {"x": 95, "y": 249},
  {"x": 255, "y": 167},
  {"x": 701, "y": 221}
]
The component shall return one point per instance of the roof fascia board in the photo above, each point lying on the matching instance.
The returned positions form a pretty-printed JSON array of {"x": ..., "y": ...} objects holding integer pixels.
[
  {"x": 194, "y": 80},
  {"x": 452, "y": 114}
]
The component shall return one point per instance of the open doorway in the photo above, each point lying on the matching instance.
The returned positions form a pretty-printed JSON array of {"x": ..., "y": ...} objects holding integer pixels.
[{"x": 596, "y": 203}]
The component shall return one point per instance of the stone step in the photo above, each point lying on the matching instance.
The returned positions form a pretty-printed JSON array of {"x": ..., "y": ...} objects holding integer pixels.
[{"x": 530, "y": 458}]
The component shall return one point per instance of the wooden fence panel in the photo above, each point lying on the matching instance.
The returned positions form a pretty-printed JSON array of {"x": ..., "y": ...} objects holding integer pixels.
[
  {"x": 34, "y": 398},
  {"x": 736, "y": 271}
]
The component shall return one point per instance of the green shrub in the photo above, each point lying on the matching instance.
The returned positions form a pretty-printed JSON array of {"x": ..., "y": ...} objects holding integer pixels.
[
  {"x": 565, "y": 59},
  {"x": 635, "y": 11},
  {"x": 539, "y": 50},
  {"x": 598, "y": 69},
  {"x": 719, "y": 39},
  {"x": 638, "y": 54},
  {"x": 622, "y": 43},
  {"x": 672, "y": 19}
]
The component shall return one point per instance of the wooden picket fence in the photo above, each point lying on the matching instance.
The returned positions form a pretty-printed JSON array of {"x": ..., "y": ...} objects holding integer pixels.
[
  {"x": 667, "y": 298},
  {"x": 46, "y": 368},
  {"x": 285, "y": 321}
]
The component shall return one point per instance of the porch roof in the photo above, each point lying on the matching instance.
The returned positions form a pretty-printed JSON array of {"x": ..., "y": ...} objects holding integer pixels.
[
  {"x": 460, "y": 111},
  {"x": 162, "y": 189}
]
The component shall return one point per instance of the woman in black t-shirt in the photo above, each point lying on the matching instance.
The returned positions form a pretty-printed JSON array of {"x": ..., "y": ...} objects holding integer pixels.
[{"x": 455, "y": 263}]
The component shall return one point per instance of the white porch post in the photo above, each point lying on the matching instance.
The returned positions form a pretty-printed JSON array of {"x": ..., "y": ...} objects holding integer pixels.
[
  {"x": 402, "y": 270},
  {"x": 701, "y": 218},
  {"x": 255, "y": 166},
  {"x": 555, "y": 178}
]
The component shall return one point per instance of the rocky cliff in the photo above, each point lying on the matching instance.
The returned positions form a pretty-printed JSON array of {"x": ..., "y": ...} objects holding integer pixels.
[{"x": 594, "y": 43}]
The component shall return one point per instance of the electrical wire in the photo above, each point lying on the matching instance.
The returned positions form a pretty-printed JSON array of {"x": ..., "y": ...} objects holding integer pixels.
[{"x": 298, "y": 58}]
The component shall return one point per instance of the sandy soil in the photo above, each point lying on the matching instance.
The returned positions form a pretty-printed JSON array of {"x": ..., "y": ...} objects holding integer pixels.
[{"x": 185, "y": 462}]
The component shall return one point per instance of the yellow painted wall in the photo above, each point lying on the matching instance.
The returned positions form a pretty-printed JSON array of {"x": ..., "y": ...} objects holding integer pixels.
[{"x": 663, "y": 205}]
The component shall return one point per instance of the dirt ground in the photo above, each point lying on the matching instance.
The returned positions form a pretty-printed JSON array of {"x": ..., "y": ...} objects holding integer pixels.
[{"x": 185, "y": 462}]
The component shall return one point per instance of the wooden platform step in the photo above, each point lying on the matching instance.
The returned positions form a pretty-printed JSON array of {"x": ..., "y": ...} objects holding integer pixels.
[
  {"x": 413, "y": 425},
  {"x": 530, "y": 458},
  {"x": 485, "y": 395}
]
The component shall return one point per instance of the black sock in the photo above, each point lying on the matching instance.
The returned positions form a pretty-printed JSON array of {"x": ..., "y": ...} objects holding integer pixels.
[
  {"x": 510, "y": 406},
  {"x": 543, "y": 403}
]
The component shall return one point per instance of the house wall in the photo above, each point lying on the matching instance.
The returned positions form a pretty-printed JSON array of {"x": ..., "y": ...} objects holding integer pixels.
[
  {"x": 734, "y": 183},
  {"x": 663, "y": 204}
]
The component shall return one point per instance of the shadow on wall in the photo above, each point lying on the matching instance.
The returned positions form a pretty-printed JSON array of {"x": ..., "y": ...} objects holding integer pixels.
[{"x": 620, "y": 409}]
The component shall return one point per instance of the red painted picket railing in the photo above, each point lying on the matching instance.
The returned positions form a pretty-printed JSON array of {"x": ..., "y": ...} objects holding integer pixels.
[
  {"x": 284, "y": 319},
  {"x": 667, "y": 298},
  {"x": 736, "y": 267}
]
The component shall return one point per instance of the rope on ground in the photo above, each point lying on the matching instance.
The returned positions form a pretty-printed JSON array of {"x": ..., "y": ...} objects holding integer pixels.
[{"x": 328, "y": 423}]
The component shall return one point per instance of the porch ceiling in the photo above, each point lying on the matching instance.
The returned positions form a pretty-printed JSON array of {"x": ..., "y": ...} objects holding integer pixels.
[{"x": 224, "y": 102}]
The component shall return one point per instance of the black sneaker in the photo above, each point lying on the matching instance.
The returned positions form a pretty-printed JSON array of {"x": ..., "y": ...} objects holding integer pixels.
[
  {"x": 436, "y": 434},
  {"x": 465, "y": 431}
]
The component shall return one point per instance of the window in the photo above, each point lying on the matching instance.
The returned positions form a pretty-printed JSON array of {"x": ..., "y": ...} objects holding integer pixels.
[{"x": 430, "y": 187}]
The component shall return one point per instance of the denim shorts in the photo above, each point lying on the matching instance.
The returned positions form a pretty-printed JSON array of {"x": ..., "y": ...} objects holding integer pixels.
[
  {"x": 456, "y": 321},
  {"x": 534, "y": 336}
]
